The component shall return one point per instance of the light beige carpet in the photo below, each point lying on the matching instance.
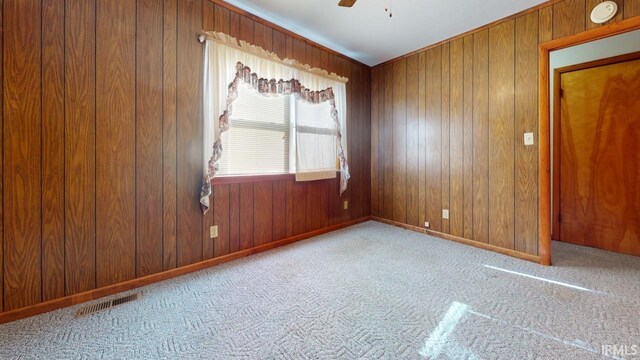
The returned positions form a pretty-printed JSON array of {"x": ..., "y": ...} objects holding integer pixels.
[{"x": 370, "y": 291}]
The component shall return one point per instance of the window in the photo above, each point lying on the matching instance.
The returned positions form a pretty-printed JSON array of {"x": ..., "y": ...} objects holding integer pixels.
[
  {"x": 262, "y": 135},
  {"x": 258, "y": 139}
]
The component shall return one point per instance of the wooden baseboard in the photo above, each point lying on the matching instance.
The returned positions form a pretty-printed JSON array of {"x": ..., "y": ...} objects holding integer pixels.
[
  {"x": 481, "y": 245},
  {"x": 70, "y": 300}
]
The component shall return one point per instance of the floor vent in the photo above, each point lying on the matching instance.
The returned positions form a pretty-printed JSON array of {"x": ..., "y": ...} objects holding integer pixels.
[{"x": 92, "y": 309}]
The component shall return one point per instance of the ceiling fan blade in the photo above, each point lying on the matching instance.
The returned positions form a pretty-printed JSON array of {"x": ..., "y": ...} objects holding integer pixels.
[{"x": 346, "y": 3}]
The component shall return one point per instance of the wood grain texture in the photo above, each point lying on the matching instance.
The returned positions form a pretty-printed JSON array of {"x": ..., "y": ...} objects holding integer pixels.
[
  {"x": 545, "y": 24},
  {"x": 279, "y": 44},
  {"x": 567, "y": 18},
  {"x": 299, "y": 207},
  {"x": 399, "y": 140},
  {"x": 22, "y": 154},
  {"x": 456, "y": 138},
  {"x": 1, "y": 169},
  {"x": 388, "y": 144},
  {"x": 134, "y": 111},
  {"x": 433, "y": 157},
  {"x": 599, "y": 147},
  {"x": 234, "y": 218},
  {"x": 189, "y": 130},
  {"x": 221, "y": 219},
  {"x": 526, "y": 116},
  {"x": 246, "y": 229},
  {"x": 467, "y": 161},
  {"x": 422, "y": 138},
  {"x": 80, "y": 146},
  {"x": 501, "y": 135},
  {"x": 413, "y": 199},
  {"x": 263, "y": 212},
  {"x": 115, "y": 141},
  {"x": 631, "y": 8},
  {"x": 169, "y": 135},
  {"x": 481, "y": 136},
  {"x": 375, "y": 104},
  {"x": 149, "y": 161},
  {"x": 280, "y": 209},
  {"x": 208, "y": 219},
  {"x": 52, "y": 150},
  {"x": 446, "y": 135}
]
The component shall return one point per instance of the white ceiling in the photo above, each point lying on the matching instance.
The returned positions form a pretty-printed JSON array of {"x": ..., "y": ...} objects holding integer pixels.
[{"x": 366, "y": 33}]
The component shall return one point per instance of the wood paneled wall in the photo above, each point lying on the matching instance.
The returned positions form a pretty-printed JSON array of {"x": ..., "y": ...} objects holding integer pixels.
[
  {"x": 448, "y": 124},
  {"x": 102, "y": 145}
]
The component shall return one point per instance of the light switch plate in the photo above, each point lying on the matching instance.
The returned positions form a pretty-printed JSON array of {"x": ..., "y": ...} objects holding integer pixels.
[
  {"x": 445, "y": 213},
  {"x": 213, "y": 231},
  {"x": 528, "y": 138}
]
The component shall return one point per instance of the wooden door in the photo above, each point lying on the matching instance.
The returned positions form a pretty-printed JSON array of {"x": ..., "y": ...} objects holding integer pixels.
[{"x": 600, "y": 155}]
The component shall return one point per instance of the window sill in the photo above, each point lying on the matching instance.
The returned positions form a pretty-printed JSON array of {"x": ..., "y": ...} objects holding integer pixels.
[{"x": 241, "y": 179}]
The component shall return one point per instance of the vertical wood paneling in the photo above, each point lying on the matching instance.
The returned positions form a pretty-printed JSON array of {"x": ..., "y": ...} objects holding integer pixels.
[
  {"x": 169, "y": 135},
  {"x": 456, "y": 138},
  {"x": 149, "y": 193},
  {"x": 22, "y": 153},
  {"x": 115, "y": 141},
  {"x": 567, "y": 18},
  {"x": 221, "y": 219},
  {"x": 631, "y": 8},
  {"x": 234, "y": 218},
  {"x": 263, "y": 212},
  {"x": 467, "y": 188},
  {"x": 263, "y": 36},
  {"x": 545, "y": 29},
  {"x": 246, "y": 29},
  {"x": 446, "y": 136},
  {"x": 299, "y": 207},
  {"x": 80, "y": 151},
  {"x": 433, "y": 158},
  {"x": 422, "y": 138},
  {"x": 52, "y": 150},
  {"x": 481, "y": 136},
  {"x": 246, "y": 216},
  {"x": 413, "y": 209},
  {"x": 289, "y": 207},
  {"x": 388, "y": 168},
  {"x": 208, "y": 219},
  {"x": 118, "y": 147},
  {"x": 221, "y": 17},
  {"x": 501, "y": 135},
  {"x": 375, "y": 102},
  {"x": 278, "y": 44},
  {"x": 400, "y": 141},
  {"x": 189, "y": 130},
  {"x": 526, "y": 116},
  {"x": 279, "y": 210}
]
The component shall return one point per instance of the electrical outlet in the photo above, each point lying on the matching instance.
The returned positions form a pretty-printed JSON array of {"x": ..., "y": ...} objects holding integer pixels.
[
  {"x": 445, "y": 213},
  {"x": 345, "y": 205},
  {"x": 528, "y": 138},
  {"x": 213, "y": 231},
  {"x": 427, "y": 225}
]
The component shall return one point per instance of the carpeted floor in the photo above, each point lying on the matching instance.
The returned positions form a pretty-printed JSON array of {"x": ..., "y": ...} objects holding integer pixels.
[{"x": 369, "y": 291}]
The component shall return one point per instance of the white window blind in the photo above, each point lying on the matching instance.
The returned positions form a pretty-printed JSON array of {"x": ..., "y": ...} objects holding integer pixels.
[{"x": 257, "y": 141}]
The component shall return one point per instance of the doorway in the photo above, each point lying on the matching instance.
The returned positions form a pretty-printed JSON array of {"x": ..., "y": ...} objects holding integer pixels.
[
  {"x": 596, "y": 187},
  {"x": 544, "y": 111}
]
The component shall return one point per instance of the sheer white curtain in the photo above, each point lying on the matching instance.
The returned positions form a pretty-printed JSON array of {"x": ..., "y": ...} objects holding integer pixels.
[{"x": 222, "y": 53}]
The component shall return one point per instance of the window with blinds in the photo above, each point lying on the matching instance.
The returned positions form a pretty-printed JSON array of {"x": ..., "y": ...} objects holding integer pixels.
[{"x": 258, "y": 139}]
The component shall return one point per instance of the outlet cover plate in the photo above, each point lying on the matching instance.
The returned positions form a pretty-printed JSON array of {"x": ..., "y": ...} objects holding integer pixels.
[
  {"x": 345, "y": 205},
  {"x": 445, "y": 213},
  {"x": 213, "y": 231}
]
